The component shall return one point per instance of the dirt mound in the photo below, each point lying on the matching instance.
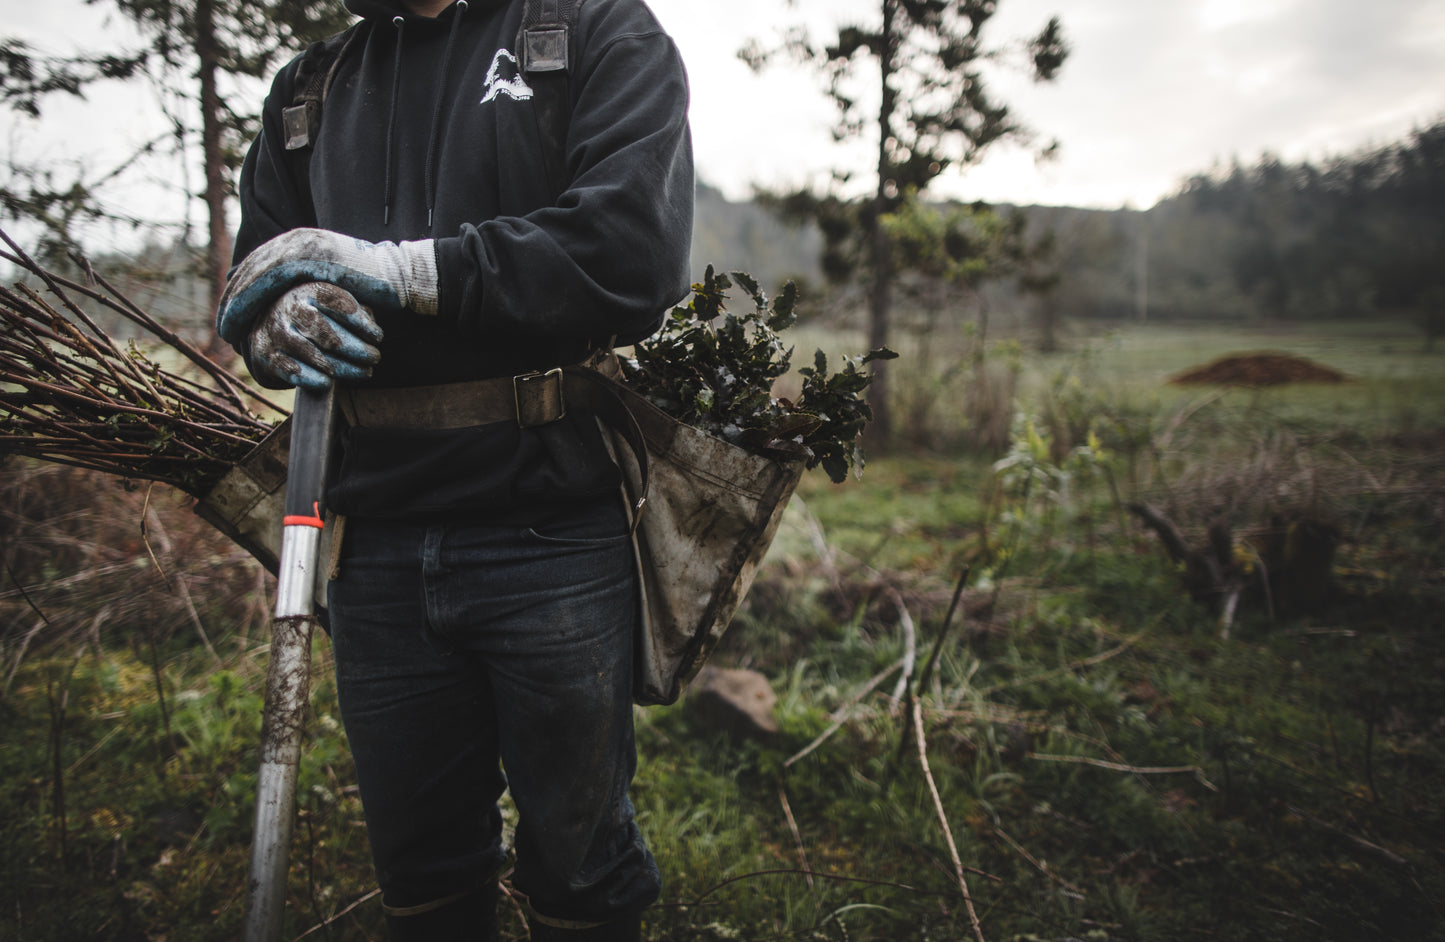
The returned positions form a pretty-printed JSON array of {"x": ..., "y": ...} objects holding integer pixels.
[{"x": 1259, "y": 369}]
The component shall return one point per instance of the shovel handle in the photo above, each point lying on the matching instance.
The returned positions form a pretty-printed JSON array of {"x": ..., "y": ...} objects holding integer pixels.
[
  {"x": 312, "y": 422},
  {"x": 311, "y": 425},
  {"x": 288, "y": 673}
]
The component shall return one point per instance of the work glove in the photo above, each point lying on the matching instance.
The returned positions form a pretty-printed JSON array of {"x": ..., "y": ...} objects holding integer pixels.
[
  {"x": 314, "y": 333},
  {"x": 379, "y": 275}
]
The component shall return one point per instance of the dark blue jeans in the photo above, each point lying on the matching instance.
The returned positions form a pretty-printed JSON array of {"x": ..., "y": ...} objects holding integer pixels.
[{"x": 466, "y": 649}]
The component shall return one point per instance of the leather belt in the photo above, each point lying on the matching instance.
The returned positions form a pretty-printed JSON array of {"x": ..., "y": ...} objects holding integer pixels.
[{"x": 529, "y": 399}]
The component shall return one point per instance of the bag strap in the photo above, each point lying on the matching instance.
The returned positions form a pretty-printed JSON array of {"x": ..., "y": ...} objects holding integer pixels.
[
  {"x": 589, "y": 386},
  {"x": 544, "y": 50},
  {"x": 301, "y": 120}
]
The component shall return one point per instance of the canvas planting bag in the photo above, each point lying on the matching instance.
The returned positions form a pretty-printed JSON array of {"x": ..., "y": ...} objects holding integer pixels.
[{"x": 708, "y": 513}]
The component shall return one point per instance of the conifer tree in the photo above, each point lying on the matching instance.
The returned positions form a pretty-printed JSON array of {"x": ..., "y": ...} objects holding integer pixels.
[{"x": 922, "y": 62}]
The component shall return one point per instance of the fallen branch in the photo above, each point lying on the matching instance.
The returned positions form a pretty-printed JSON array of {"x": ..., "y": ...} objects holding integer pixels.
[
  {"x": 1135, "y": 769},
  {"x": 322, "y": 925},
  {"x": 1211, "y": 575},
  {"x": 1374, "y": 850},
  {"x": 835, "y": 877},
  {"x": 910, "y": 649},
  {"x": 943, "y": 819},
  {"x": 933, "y": 655},
  {"x": 797, "y": 836},
  {"x": 1037, "y": 864},
  {"x": 841, "y": 715},
  {"x": 1066, "y": 669}
]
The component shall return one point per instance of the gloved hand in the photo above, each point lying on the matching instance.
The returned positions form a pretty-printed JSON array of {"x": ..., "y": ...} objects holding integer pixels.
[
  {"x": 313, "y": 334},
  {"x": 379, "y": 275}
]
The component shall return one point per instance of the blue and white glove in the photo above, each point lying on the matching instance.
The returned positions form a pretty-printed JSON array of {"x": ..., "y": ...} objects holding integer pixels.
[
  {"x": 379, "y": 275},
  {"x": 313, "y": 334}
]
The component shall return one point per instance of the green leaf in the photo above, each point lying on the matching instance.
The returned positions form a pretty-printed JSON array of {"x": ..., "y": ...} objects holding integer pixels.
[
  {"x": 714, "y": 369},
  {"x": 749, "y": 284}
]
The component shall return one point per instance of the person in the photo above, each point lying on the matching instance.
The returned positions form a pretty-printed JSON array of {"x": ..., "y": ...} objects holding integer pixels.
[{"x": 484, "y": 598}]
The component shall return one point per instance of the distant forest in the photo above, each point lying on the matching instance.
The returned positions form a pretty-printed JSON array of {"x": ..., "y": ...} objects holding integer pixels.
[{"x": 1356, "y": 236}]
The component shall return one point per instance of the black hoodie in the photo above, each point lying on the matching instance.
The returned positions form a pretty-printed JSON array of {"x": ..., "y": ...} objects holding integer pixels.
[{"x": 429, "y": 132}]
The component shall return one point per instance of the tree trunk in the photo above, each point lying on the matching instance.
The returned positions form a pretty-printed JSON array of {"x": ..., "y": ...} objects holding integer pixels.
[
  {"x": 880, "y": 303},
  {"x": 880, "y": 299},
  {"x": 218, "y": 254}
]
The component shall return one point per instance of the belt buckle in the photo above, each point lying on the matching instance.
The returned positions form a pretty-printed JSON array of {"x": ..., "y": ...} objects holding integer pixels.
[{"x": 538, "y": 397}]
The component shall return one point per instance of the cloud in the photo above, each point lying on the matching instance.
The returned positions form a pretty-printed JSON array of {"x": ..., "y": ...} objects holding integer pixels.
[{"x": 1153, "y": 92}]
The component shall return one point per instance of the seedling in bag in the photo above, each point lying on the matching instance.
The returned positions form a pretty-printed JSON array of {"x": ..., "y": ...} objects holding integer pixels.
[{"x": 715, "y": 370}]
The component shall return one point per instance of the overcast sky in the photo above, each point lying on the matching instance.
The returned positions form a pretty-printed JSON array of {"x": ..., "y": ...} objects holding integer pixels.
[{"x": 1154, "y": 91}]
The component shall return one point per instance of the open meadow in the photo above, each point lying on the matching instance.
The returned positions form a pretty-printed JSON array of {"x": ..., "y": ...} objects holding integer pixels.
[{"x": 1088, "y": 655}]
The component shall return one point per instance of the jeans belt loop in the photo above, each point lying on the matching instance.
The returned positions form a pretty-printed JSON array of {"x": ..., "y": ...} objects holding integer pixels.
[{"x": 539, "y": 397}]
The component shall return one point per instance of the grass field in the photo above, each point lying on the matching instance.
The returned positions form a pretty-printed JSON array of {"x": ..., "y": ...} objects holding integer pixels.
[{"x": 1105, "y": 761}]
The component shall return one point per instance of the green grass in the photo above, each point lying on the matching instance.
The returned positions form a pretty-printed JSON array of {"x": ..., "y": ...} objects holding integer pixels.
[
  {"x": 1394, "y": 381},
  {"x": 1277, "y": 826},
  {"x": 1110, "y": 766}
]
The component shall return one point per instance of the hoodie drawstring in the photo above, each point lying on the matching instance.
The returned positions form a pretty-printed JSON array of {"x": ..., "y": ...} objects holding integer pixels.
[
  {"x": 400, "y": 23},
  {"x": 436, "y": 116},
  {"x": 436, "y": 121}
]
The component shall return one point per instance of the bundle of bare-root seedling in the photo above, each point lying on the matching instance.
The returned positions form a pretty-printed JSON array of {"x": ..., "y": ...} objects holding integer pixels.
[{"x": 70, "y": 394}]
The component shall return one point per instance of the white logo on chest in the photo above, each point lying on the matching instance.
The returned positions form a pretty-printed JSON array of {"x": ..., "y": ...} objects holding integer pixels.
[{"x": 505, "y": 78}]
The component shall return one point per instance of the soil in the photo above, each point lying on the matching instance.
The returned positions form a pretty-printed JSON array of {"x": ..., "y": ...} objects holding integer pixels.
[{"x": 1265, "y": 368}]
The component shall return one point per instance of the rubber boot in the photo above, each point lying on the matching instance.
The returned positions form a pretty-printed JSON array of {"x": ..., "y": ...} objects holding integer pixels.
[
  {"x": 472, "y": 918},
  {"x": 626, "y": 929}
]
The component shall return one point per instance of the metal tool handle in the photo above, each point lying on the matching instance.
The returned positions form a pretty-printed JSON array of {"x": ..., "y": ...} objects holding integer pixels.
[{"x": 288, "y": 675}]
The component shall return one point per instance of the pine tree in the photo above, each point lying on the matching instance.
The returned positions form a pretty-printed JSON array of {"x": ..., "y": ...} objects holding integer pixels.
[{"x": 924, "y": 62}]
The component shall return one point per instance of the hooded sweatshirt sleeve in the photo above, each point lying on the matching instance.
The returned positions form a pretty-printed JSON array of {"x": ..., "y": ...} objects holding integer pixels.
[{"x": 611, "y": 256}]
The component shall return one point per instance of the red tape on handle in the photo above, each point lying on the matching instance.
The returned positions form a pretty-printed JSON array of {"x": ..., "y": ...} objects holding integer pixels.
[{"x": 296, "y": 520}]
